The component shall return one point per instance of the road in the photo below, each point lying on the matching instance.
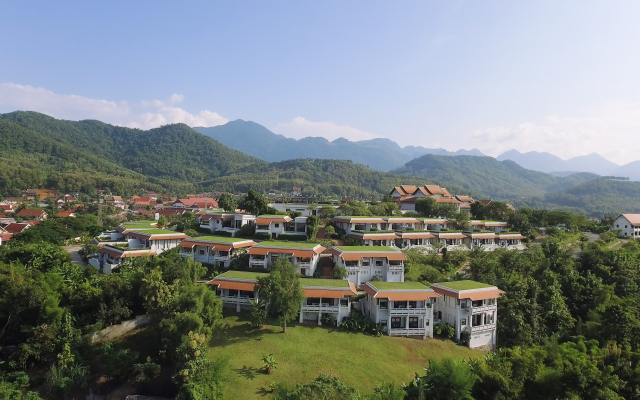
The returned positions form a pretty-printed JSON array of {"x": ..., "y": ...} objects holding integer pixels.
[{"x": 76, "y": 258}]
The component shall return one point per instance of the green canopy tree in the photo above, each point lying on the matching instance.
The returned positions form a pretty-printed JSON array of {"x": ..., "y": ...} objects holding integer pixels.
[
  {"x": 254, "y": 203},
  {"x": 227, "y": 202},
  {"x": 284, "y": 292},
  {"x": 427, "y": 207}
]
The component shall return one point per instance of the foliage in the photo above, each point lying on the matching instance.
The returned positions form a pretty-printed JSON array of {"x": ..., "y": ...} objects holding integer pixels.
[
  {"x": 330, "y": 231},
  {"x": 328, "y": 320},
  {"x": 269, "y": 363},
  {"x": 258, "y": 314},
  {"x": 444, "y": 330},
  {"x": 254, "y": 203},
  {"x": 444, "y": 380},
  {"x": 312, "y": 227},
  {"x": 227, "y": 202},
  {"x": 339, "y": 272},
  {"x": 357, "y": 322},
  {"x": 119, "y": 363},
  {"x": 325, "y": 387},
  {"x": 198, "y": 377},
  {"x": 283, "y": 292}
]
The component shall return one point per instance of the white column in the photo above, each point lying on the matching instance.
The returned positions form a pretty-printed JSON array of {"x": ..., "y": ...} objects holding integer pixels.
[
  {"x": 457, "y": 322},
  {"x": 238, "y": 302},
  {"x": 301, "y": 313},
  {"x": 320, "y": 313}
]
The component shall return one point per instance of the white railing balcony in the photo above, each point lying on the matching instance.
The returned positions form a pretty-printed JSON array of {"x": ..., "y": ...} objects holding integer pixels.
[
  {"x": 186, "y": 254},
  {"x": 258, "y": 263},
  {"x": 480, "y": 328},
  {"x": 395, "y": 267},
  {"x": 516, "y": 247},
  {"x": 408, "y": 311},
  {"x": 303, "y": 264},
  {"x": 220, "y": 258},
  {"x": 407, "y": 331},
  {"x": 352, "y": 267},
  {"x": 490, "y": 247},
  {"x": 237, "y": 300},
  {"x": 454, "y": 247},
  {"x": 320, "y": 307},
  {"x": 479, "y": 309}
]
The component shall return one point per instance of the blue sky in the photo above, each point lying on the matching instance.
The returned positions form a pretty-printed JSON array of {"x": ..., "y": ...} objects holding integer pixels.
[{"x": 545, "y": 76}]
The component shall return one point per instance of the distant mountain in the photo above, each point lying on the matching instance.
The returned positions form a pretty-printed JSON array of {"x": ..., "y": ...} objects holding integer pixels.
[
  {"x": 256, "y": 140},
  {"x": 488, "y": 177},
  {"x": 549, "y": 163},
  {"x": 631, "y": 171},
  {"x": 600, "y": 197}
]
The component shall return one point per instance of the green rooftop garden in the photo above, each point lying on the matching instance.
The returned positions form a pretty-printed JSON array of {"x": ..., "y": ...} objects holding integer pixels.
[
  {"x": 324, "y": 282},
  {"x": 398, "y": 285},
  {"x": 242, "y": 275},
  {"x": 220, "y": 239},
  {"x": 288, "y": 244},
  {"x": 368, "y": 249},
  {"x": 464, "y": 285},
  {"x": 374, "y": 231},
  {"x": 145, "y": 222},
  {"x": 138, "y": 227},
  {"x": 155, "y": 231},
  {"x": 274, "y": 215}
]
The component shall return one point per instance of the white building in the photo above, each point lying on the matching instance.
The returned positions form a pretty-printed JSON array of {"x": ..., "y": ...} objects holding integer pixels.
[
  {"x": 471, "y": 308},
  {"x": 236, "y": 288},
  {"x": 483, "y": 240},
  {"x": 404, "y": 308},
  {"x": 214, "y": 249},
  {"x": 224, "y": 221},
  {"x": 304, "y": 256},
  {"x": 510, "y": 240},
  {"x": 450, "y": 240},
  {"x": 381, "y": 238},
  {"x": 275, "y": 225},
  {"x": 628, "y": 225},
  {"x": 326, "y": 296},
  {"x": 304, "y": 209},
  {"x": 364, "y": 262},
  {"x": 415, "y": 239}
]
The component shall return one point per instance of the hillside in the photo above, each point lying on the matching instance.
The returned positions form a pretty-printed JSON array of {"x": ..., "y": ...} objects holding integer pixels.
[
  {"x": 173, "y": 152},
  {"x": 600, "y": 197},
  {"x": 29, "y": 159},
  {"x": 549, "y": 163},
  {"x": 256, "y": 140},
  {"x": 631, "y": 171},
  {"x": 488, "y": 177}
]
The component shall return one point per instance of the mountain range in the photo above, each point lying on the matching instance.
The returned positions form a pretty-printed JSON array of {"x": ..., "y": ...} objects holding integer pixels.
[
  {"x": 83, "y": 156},
  {"x": 385, "y": 155},
  {"x": 256, "y": 140}
]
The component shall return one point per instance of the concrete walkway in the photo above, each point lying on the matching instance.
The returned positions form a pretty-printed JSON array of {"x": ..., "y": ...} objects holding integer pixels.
[{"x": 76, "y": 258}]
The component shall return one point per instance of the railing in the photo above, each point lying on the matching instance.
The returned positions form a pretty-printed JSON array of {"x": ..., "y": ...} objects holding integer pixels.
[
  {"x": 352, "y": 267},
  {"x": 236, "y": 299},
  {"x": 407, "y": 331},
  {"x": 260, "y": 263},
  {"x": 320, "y": 307},
  {"x": 489, "y": 307},
  {"x": 487, "y": 327},
  {"x": 395, "y": 267},
  {"x": 408, "y": 311},
  {"x": 516, "y": 247},
  {"x": 457, "y": 247}
]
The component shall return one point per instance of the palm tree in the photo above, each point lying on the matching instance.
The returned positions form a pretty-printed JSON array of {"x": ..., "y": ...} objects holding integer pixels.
[{"x": 269, "y": 363}]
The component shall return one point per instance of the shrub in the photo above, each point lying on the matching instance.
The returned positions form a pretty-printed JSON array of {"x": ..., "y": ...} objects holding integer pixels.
[
  {"x": 292, "y": 236},
  {"x": 329, "y": 320},
  {"x": 357, "y": 322},
  {"x": 339, "y": 272},
  {"x": 444, "y": 330},
  {"x": 222, "y": 233}
]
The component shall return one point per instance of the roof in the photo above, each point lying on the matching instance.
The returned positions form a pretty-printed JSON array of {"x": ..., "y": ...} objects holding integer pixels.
[
  {"x": 125, "y": 253},
  {"x": 510, "y": 235},
  {"x": 632, "y": 218},
  {"x": 327, "y": 288},
  {"x": 5, "y": 237},
  {"x": 242, "y": 275},
  {"x": 153, "y": 234},
  {"x": 356, "y": 253},
  {"x": 447, "y": 200},
  {"x": 219, "y": 243},
  {"x": 399, "y": 291},
  {"x": 360, "y": 219},
  {"x": 198, "y": 202},
  {"x": 7, "y": 207},
  {"x": 305, "y": 250},
  {"x": 65, "y": 214},
  {"x": 31, "y": 213},
  {"x": 237, "y": 280},
  {"x": 373, "y": 236},
  {"x": 405, "y": 189},
  {"x": 449, "y": 235},
  {"x": 401, "y": 220},
  {"x": 16, "y": 227},
  {"x": 415, "y": 235},
  {"x": 265, "y": 220},
  {"x": 466, "y": 199},
  {"x": 467, "y": 290},
  {"x": 483, "y": 235}
]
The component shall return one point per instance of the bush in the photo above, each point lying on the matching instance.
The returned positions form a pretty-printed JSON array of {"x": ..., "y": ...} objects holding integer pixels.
[
  {"x": 292, "y": 236},
  {"x": 222, "y": 233},
  {"x": 339, "y": 272},
  {"x": 329, "y": 320},
  {"x": 119, "y": 363},
  {"x": 444, "y": 331},
  {"x": 357, "y": 322}
]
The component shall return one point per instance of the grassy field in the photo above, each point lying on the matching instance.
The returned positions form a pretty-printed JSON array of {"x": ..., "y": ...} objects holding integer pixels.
[{"x": 307, "y": 350}]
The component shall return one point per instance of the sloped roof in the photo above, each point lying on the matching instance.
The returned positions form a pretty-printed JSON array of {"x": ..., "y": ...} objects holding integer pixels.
[
  {"x": 31, "y": 213},
  {"x": 632, "y": 218}
]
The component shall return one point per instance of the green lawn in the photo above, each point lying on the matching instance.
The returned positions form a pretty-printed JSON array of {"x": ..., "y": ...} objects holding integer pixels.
[
  {"x": 306, "y": 350},
  {"x": 368, "y": 249},
  {"x": 464, "y": 285},
  {"x": 398, "y": 285},
  {"x": 311, "y": 282},
  {"x": 219, "y": 239},
  {"x": 288, "y": 244},
  {"x": 242, "y": 275}
]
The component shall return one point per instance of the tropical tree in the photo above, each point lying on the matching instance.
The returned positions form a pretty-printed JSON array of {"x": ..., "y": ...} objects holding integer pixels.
[
  {"x": 269, "y": 363},
  {"x": 449, "y": 379},
  {"x": 254, "y": 203},
  {"x": 227, "y": 202},
  {"x": 427, "y": 207},
  {"x": 284, "y": 292},
  {"x": 162, "y": 222}
]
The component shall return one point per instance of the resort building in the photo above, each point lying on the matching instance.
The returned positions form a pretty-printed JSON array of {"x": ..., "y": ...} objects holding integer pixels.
[
  {"x": 196, "y": 203},
  {"x": 275, "y": 225},
  {"x": 326, "y": 297},
  {"x": 483, "y": 240},
  {"x": 628, "y": 225},
  {"x": 471, "y": 308},
  {"x": 214, "y": 249},
  {"x": 362, "y": 263},
  {"x": 359, "y": 224},
  {"x": 236, "y": 288},
  {"x": 376, "y": 238},
  {"x": 434, "y": 224},
  {"x": 415, "y": 239},
  {"x": 404, "y": 308},
  {"x": 450, "y": 240},
  {"x": 221, "y": 221},
  {"x": 304, "y": 256},
  {"x": 510, "y": 240}
]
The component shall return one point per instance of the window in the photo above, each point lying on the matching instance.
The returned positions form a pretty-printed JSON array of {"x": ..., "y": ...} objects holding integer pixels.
[
  {"x": 396, "y": 322},
  {"x": 344, "y": 302},
  {"x": 413, "y": 304},
  {"x": 477, "y": 319},
  {"x": 233, "y": 292},
  {"x": 276, "y": 225},
  {"x": 463, "y": 322},
  {"x": 384, "y": 304},
  {"x": 383, "y": 322},
  {"x": 399, "y": 304},
  {"x": 201, "y": 251},
  {"x": 413, "y": 322},
  {"x": 477, "y": 303},
  {"x": 378, "y": 263}
]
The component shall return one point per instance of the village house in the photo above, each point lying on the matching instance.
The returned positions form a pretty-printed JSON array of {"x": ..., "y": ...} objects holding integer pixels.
[
  {"x": 6, "y": 208},
  {"x": 196, "y": 203},
  {"x": 359, "y": 224},
  {"x": 628, "y": 225},
  {"x": 483, "y": 240},
  {"x": 4, "y": 238},
  {"x": 166, "y": 212},
  {"x": 214, "y": 249},
  {"x": 362, "y": 263},
  {"x": 116, "y": 202},
  {"x": 407, "y": 195},
  {"x": 275, "y": 225},
  {"x": 16, "y": 227},
  {"x": 67, "y": 198},
  {"x": 404, "y": 308},
  {"x": 471, "y": 308},
  {"x": 31, "y": 194},
  {"x": 379, "y": 238},
  {"x": 66, "y": 214},
  {"x": 465, "y": 203},
  {"x": 236, "y": 289},
  {"x": 304, "y": 256},
  {"x": 510, "y": 240},
  {"x": 450, "y": 240},
  {"x": 39, "y": 215},
  {"x": 221, "y": 221},
  {"x": 415, "y": 239}
]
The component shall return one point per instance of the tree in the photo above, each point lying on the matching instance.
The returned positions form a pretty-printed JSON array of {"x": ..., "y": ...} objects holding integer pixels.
[
  {"x": 269, "y": 363},
  {"x": 327, "y": 212},
  {"x": 449, "y": 379},
  {"x": 447, "y": 211},
  {"x": 313, "y": 224},
  {"x": 159, "y": 298},
  {"x": 254, "y": 203},
  {"x": 462, "y": 220},
  {"x": 427, "y": 207},
  {"x": 330, "y": 231},
  {"x": 227, "y": 202},
  {"x": 258, "y": 314},
  {"x": 339, "y": 272},
  {"x": 284, "y": 293},
  {"x": 162, "y": 222}
]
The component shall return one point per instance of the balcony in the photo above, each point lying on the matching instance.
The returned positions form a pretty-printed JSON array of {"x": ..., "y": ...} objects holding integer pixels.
[
  {"x": 395, "y": 267},
  {"x": 407, "y": 331},
  {"x": 486, "y": 327},
  {"x": 408, "y": 311},
  {"x": 237, "y": 300},
  {"x": 326, "y": 308}
]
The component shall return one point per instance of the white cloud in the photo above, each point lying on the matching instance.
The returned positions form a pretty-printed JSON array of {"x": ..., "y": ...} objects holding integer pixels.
[
  {"x": 612, "y": 130},
  {"x": 300, "y": 127},
  {"x": 24, "y": 97}
]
